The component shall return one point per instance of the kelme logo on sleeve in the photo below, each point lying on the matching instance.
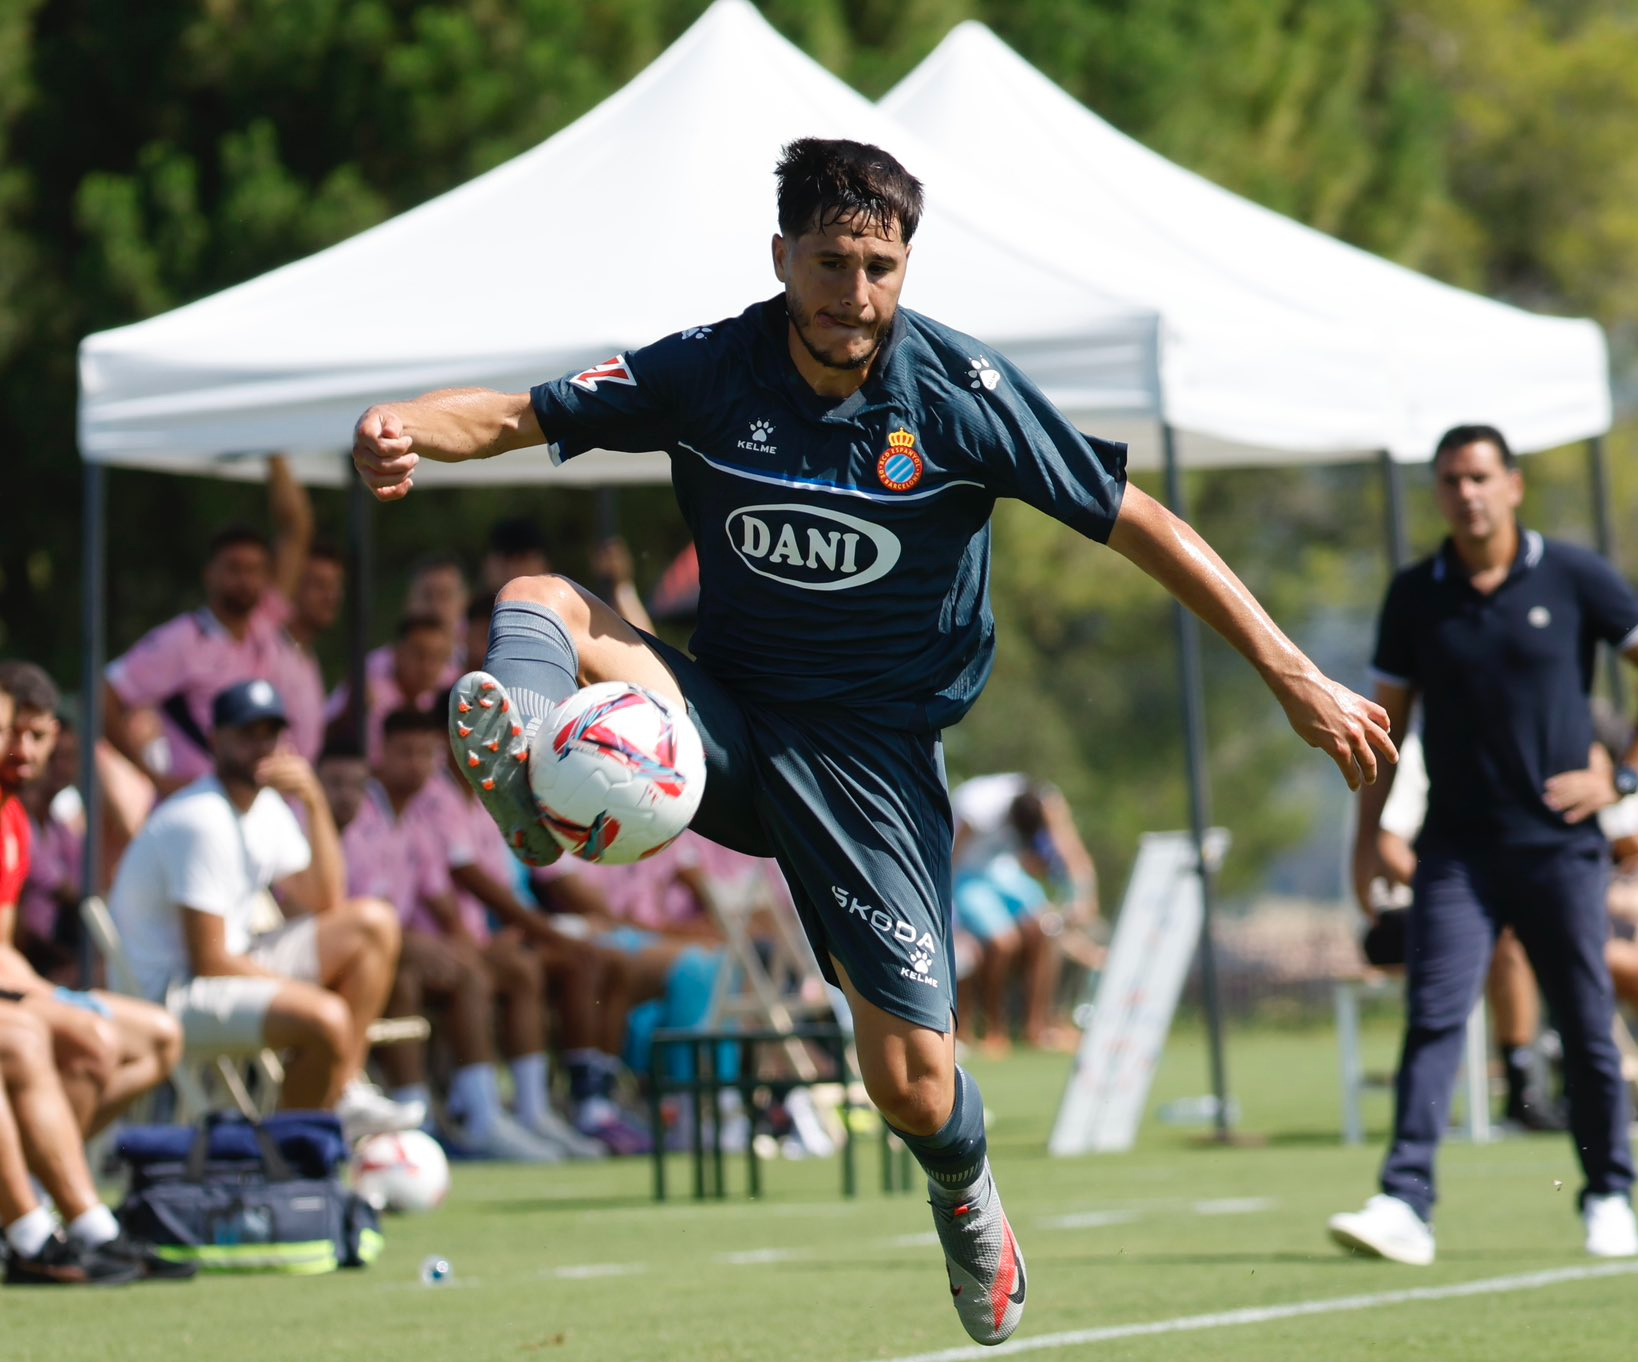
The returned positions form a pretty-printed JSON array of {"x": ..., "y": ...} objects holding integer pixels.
[{"x": 811, "y": 547}]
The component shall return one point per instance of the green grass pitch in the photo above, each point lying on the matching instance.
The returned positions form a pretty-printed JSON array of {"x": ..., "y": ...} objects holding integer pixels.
[{"x": 578, "y": 1265}]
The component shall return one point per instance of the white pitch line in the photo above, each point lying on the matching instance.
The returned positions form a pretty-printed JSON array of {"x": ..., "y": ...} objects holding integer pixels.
[
  {"x": 751, "y": 1257},
  {"x": 582, "y": 1272},
  {"x": 1235, "y": 1205},
  {"x": 1265, "y": 1314},
  {"x": 1087, "y": 1220}
]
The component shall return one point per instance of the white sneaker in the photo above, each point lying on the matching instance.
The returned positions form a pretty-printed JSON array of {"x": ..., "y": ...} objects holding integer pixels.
[
  {"x": 508, "y": 1142},
  {"x": 1612, "y": 1232},
  {"x": 982, "y": 1260},
  {"x": 556, "y": 1131},
  {"x": 364, "y": 1109},
  {"x": 1386, "y": 1228}
]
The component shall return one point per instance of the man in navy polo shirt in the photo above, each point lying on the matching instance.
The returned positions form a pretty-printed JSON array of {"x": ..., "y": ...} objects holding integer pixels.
[
  {"x": 837, "y": 458},
  {"x": 1496, "y": 634}
]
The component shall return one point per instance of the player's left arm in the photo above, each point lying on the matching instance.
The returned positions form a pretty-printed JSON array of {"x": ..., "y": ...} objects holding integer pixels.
[
  {"x": 1348, "y": 728},
  {"x": 1612, "y": 612}
]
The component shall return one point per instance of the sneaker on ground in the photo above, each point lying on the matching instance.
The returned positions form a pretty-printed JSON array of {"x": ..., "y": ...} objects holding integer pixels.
[
  {"x": 555, "y": 1130},
  {"x": 1533, "y": 1112},
  {"x": 61, "y": 1262},
  {"x": 1387, "y": 1228},
  {"x": 364, "y": 1109},
  {"x": 1612, "y": 1232},
  {"x": 981, "y": 1256},
  {"x": 506, "y": 1141},
  {"x": 151, "y": 1265},
  {"x": 491, "y": 743},
  {"x": 618, "y": 1135}
]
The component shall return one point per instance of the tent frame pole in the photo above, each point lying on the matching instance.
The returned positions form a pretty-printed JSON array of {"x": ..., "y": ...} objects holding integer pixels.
[
  {"x": 360, "y": 581},
  {"x": 1603, "y": 513},
  {"x": 93, "y": 645},
  {"x": 1393, "y": 505},
  {"x": 1192, "y": 685}
]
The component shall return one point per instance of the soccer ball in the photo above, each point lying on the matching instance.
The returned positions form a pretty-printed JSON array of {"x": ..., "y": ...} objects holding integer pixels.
[
  {"x": 617, "y": 772},
  {"x": 402, "y": 1171}
]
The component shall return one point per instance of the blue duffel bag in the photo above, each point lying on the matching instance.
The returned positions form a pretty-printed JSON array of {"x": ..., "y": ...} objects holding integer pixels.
[{"x": 240, "y": 1196}]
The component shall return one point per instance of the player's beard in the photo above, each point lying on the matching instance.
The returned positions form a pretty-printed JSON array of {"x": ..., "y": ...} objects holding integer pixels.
[{"x": 803, "y": 322}]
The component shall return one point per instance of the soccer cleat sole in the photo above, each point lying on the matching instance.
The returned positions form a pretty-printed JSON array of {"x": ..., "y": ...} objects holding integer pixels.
[{"x": 492, "y": 751}]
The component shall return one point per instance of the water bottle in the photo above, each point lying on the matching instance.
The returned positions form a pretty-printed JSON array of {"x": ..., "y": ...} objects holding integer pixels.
[{"x": 436, "y": 1271}]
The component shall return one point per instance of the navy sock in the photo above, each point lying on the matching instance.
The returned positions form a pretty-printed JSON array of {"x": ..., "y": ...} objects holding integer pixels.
[
  {"x": 954, "y": 1156},
  {"x": 533, "y": 656}
]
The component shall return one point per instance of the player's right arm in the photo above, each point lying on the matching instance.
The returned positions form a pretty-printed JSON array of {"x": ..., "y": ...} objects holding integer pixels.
[
  {"x": 1373, "y": 798},
  {"x": 450, "y": 426}
]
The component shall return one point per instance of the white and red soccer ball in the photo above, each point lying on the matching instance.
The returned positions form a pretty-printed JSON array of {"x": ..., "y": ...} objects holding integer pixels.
[
  {"x": 617, "y": 772},
  {"x": 402, "y": 1171}
]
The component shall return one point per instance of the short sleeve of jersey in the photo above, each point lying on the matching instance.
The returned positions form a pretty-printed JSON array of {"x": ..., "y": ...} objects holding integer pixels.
[
  {"x": 1045, "y": 461},
  {"x": 154, "y": 665},
  {"x": 288, "y": 848},
  {"x": 628, "y": 402},
  {"x": 1395, "y": 657},
  {"x": 1610, "y": 603}
]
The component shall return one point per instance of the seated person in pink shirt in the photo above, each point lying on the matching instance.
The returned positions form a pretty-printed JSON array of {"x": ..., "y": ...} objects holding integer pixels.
[
  {"x": 421, "y": 661},
  {"x": 178, "y": 667},
  {"x": 394, "y": 837},
  {"x": 189, "y": 896}
]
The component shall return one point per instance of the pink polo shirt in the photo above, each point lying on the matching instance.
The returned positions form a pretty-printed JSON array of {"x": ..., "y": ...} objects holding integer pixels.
[
  {"x": 649, "y": 894},
  {"x": 436, "y": 823},
  {"x": 385, "y": 859},
  {"x": 53, "y": 868},
  {"x": 179, "y": 667},
  {"x": 383, "y": 695},
  {"x": 474, "y": 839},
  {"x": 300, "y": 682}
]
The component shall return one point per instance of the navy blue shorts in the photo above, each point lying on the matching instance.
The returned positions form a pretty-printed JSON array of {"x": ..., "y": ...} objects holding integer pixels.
[{"x": 858, "y": 818}]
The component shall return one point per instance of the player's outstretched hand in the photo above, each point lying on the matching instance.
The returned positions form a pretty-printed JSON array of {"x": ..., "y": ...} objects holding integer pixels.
[
  {"x": 382, "y": 454},
  {"x": 1348, "y": 728}
]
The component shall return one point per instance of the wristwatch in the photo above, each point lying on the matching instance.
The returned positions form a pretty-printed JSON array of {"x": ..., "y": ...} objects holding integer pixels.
[{"x": 1626, "y": 781}]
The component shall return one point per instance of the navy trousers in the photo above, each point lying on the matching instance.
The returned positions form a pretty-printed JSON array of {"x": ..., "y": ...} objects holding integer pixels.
[{"x": 1553, "y": 899}]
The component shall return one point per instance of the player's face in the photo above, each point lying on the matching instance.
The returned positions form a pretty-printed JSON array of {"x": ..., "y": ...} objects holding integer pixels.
[
  {"x": 6, "y": 715},
  {"x": 1476, "y": 491},
  {"x": 408, "y": 761},
  {"x": 842, "y": 286},
  {"x": 319, "y": 593},
  {"x": 420, "y": 659},
  {"x": 239, "y": 751},
  {"x": 345, "y": 780},
  {"x": 439, "y": 591},
  {"x": 236, "y": 578},
  {"x": 33, "y": 735}
]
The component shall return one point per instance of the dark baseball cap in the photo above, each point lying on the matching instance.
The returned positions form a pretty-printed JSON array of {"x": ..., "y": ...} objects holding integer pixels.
[{"x": 247, "y": 703}]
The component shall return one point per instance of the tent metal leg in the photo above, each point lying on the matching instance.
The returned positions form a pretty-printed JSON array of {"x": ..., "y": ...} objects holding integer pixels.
[
  {"x": 1193, "y": 686},
  {"x": 360, "y": 581},
  {"x": 1603, "y": 509},
  {"x": 93, "y": 644},
  {"x": 1393, "y": 505}
]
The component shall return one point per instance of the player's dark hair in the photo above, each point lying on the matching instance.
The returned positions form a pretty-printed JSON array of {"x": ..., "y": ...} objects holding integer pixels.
[
  {"x": 29, "y": 687},
  {"x": 414, "y": 623},
  {"x": 408, "y": 719},
  {"x": 1457, "y": 436},
  {"x": 1027, "y": 815},
  {"x": 824, "y": 181},
  {"x": 326, "y": 551},
  {"x": 437, "y": 560},
  {"x": 516, "y": 536},
  {"x": 341, "y": 747},
  {"x": 481, "y": 606},
  {"x": 236, "y": 536}
]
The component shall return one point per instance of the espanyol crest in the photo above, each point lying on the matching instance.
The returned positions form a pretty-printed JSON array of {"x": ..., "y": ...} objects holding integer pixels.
[{"x": 899, "y": 467}]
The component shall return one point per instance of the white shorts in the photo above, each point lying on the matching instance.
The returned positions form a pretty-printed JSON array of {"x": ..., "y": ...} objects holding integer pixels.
[{"x": 227, "y": 1014}]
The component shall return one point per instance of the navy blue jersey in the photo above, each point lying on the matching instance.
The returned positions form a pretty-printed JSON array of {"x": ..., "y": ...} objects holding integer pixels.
[
  {"x": 1503, "y": 680},
  {"x": 844, "y": 547}
]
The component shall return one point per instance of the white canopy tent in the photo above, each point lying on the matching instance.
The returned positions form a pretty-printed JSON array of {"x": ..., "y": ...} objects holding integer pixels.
[
  {"x": 652, "y": 213},
  {"x": 1274, "y": 335}
]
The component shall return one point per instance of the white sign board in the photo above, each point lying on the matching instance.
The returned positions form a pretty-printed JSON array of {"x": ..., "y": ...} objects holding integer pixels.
[{"x": 1154, "y": 941}]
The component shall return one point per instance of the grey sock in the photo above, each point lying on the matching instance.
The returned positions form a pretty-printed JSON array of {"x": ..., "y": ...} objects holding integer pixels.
[
  {"x": 533, "y": 656},
  {"x": 955, "y": 1156}
]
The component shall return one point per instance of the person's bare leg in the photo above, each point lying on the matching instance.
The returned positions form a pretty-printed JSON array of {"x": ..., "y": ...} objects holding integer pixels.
[
  {"x": 17, "y": 1197},
  {"x": 1040, "y": 968},
  {"x": 1515, "y": 1002},
  {"x": 520, "y": 987},
  {"x": 908, "y": 1069},
  {"x": 996, "y": 959},
  {"x": 50, "y": 1134},
  {"x": 610, "y": 649},
  {"x": 85, "y": 1050},
  {"x": 1622, "y": 957},
  {"x": 580, "y": 989},
  {"x": 358, "y": 954},
  {"x": 150, "y": 1047},
  {"x": 404, "y": 1064},
  {"x": 316, "y": 1026}
]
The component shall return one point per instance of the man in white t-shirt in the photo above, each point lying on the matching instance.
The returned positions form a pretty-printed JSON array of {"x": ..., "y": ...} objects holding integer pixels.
[
  {"x": 1013, "y": 837},
  {"x": 192, "y": 892}
]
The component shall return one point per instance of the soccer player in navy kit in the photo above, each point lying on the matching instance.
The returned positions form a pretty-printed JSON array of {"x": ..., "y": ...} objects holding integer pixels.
[
  {"x": 837, "y": 458},
  {"x": 1496, "y": 634}
]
